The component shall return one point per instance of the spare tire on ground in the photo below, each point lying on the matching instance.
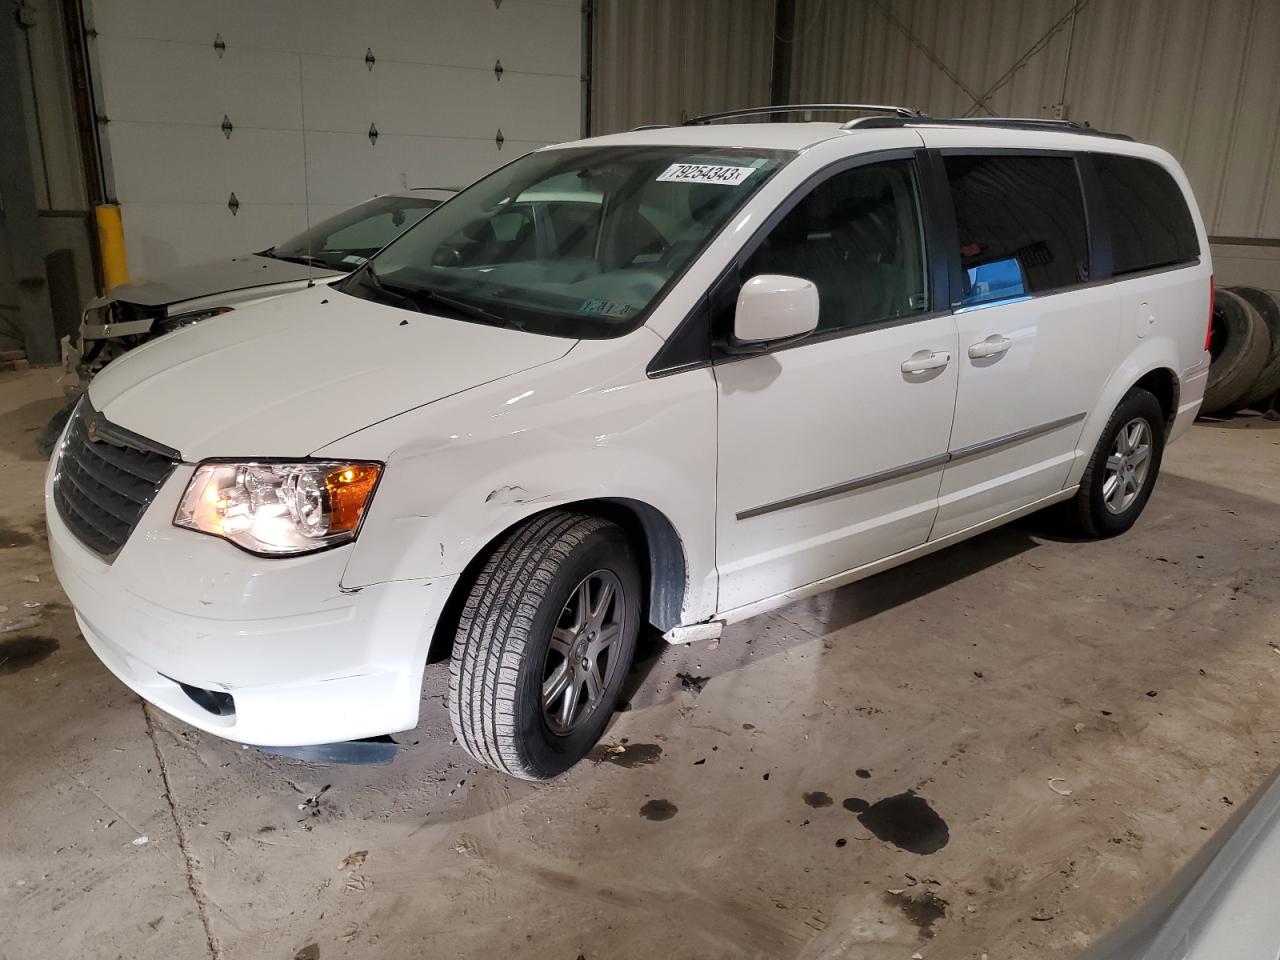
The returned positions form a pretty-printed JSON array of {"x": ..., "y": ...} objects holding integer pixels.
[
  {"x": 1239, "y": 346},
  {"x": 1267, "y": 383}
]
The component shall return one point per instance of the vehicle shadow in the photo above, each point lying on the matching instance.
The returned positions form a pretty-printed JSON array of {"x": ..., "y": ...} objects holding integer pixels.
[
  {"x": 430, "y": 770},
  {"x": 655, "y": 675},
  {"x": 1244, "y": 421},
  {"x": 31, "y": 419}
]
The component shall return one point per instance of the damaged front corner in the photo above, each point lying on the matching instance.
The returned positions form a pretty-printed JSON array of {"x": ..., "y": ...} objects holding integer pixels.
[{"x": 513, "y": 494}]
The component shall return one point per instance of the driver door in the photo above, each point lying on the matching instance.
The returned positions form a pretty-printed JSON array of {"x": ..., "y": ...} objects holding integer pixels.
[{"x": 831, "y": 450}]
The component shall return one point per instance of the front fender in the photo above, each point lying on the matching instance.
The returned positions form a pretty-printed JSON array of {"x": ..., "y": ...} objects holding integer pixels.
[{"x": 588, "y": 427}]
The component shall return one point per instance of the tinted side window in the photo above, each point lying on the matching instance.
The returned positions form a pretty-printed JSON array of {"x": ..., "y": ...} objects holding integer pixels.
[
  {"x": 858, "y": 238},
  {"x": 375, "y": 233},
  {"x": 1150, "y": 223},
  {"x": 1021, "y": 225}
]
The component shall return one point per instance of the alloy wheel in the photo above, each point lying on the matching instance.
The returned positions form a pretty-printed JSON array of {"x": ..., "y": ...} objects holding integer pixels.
[
  {"x": 1127, "y": 466},
  {"x": 580, "y": 664}
]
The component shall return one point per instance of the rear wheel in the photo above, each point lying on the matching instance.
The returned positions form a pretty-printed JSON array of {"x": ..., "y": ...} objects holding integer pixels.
[
  {"x": 544, "y": 643},
  {"x": 1122, "y": 471}
]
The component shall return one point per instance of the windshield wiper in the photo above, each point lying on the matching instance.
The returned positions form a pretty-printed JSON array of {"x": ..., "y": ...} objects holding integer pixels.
[
  {"x": 303, "y": 258},
  {"x": 415, "y": 298},
  {"x": 472, "y": 310},
  {"x": 369, "y": 279}
]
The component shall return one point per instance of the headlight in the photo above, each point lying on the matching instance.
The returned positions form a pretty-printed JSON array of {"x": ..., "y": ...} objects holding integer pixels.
[{"x": 279, "y": 509}]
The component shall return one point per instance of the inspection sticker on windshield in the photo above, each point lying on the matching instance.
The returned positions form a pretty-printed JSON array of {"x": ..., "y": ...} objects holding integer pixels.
[
  {"x": 729, "y": 176},
  {"x": 605, "y": 308}
]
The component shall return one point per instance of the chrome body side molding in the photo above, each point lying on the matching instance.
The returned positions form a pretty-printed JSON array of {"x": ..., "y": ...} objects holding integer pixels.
[{"x": 911, "y": 469}]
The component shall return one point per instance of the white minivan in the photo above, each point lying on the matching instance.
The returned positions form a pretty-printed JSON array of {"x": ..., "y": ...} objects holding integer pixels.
[{"x": 677, "y": 376}]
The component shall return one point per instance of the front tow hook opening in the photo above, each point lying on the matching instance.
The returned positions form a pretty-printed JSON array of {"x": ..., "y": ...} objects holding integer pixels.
[{"x": 216, "y": 702}]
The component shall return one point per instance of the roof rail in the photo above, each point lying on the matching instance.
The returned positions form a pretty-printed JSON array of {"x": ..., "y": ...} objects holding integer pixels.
[
  {"x": 1003, "y": 123},
  {"x": 900, "y": 112}
]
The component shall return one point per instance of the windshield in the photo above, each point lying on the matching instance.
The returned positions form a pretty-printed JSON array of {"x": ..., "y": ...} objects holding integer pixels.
[
  {"x": 345, "y": 241},
  {"x": 575, "y": 242}
]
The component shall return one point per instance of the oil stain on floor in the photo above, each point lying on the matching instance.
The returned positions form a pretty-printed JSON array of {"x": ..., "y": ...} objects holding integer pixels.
[
  {"x": 905, "y": 820},
  {"x": 18, "y": 653},
  {"x": 658, "y": 810},
  {"x": 10, "y": 537},
  {"x": 924, "y": 909}
]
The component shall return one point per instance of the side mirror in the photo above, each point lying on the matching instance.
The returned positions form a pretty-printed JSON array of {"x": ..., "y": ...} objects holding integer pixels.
[{"x": 773, "y": 309}]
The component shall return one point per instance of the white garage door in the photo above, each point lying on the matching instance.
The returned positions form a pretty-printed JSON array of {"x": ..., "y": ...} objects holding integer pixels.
[{"x": 300, "y": 109}]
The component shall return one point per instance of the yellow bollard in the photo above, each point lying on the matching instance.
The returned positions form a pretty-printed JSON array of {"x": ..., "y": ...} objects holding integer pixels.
[{"x": 115, "y": 262}]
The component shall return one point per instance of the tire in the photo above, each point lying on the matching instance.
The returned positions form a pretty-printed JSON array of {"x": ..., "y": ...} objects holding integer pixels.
[
  {"x": 1239, "y": 345},
  {"x": 1091, "y": 516},
  {"x": 530, "y": 587},
  {"x": 1268, "y": 381}
]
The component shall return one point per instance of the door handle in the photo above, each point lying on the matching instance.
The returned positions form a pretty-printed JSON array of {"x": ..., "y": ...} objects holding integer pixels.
[
  {"x": 923, "y": 360},
  {"x": 993, "y": 346}
]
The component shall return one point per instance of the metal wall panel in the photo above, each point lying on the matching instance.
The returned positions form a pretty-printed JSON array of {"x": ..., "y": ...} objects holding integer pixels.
[
  {"x": 655, "y": 60},
  {"x": 1199, "y": 78},
  {"x": 51, "y": 118},
  {"x": 303, "y": 92}
]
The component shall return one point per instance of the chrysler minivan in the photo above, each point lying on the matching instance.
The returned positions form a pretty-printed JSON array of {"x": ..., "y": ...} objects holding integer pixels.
[{"x": 674, "y": 377}]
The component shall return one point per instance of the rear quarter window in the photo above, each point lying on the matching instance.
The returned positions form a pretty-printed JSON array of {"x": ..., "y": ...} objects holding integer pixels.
[{"x": 1150, "y": 224}]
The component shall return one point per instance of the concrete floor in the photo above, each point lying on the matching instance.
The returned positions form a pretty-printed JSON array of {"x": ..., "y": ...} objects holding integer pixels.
[{"x": 999, "y": 751}]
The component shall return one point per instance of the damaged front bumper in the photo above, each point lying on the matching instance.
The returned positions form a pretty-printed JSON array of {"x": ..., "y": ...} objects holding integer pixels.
[
  {"x": 268, "y": 652},
  {"x": 108, "y": 328}
]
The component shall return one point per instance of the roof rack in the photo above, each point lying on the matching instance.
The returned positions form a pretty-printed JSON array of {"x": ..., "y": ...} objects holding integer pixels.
[
  {"x": 897, "y": 112},
  {"x": 887, "y": 115},
  {"x": 1002, "y": 123}
]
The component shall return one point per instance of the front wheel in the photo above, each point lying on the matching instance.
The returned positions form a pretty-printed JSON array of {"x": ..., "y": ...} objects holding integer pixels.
[
  {"x": 1122, "y": 472},
  {"x": 544, "y": 643}
]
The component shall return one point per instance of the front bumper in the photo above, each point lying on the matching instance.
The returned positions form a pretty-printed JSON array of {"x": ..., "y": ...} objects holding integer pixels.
[{"x": 303, "y": 661}]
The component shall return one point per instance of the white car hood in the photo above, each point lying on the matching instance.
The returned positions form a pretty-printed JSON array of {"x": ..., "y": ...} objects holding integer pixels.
[
  {"x": 214, "y": 276},
  {"x": 288, "y": 376}
]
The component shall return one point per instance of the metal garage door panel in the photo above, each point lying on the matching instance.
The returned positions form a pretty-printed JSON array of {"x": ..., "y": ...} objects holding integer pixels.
[
  {"x": 254, "y": 88},
  {"x": 525, "y": 106},
  {"x": 428, "y": 162},
  {"x": 344, "y": 168},
  {"x": 475, "y": 33},
  {"x": 188, "y": 164},
  {"x": 196, "y": 22},
  {"x": 162, "y": 236},
  {"x": 432, "y": 94},
  {"x": 341, "y": 166},
  {"x": 406, "y": 97},
  {"x": 459, "y": 32}
]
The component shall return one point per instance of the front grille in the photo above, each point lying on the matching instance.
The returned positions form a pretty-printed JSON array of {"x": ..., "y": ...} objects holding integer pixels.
[{"x": 105, "y": 480}]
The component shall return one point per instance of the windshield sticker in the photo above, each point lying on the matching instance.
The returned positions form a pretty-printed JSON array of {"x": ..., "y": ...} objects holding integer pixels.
[
  {"x": 729, "y": 176},
  {"x": 353, "y": 258},
  {"x": 605, "y": 308}
]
